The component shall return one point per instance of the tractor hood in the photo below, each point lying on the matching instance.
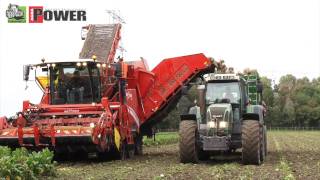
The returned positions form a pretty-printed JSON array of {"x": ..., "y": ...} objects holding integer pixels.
[
  {"x": 218, "y": 111},
  {"x": 219, "y": 117}
]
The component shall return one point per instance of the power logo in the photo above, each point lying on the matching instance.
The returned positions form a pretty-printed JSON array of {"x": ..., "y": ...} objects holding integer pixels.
[
  {"x": 35, "y": 14},
  {"x": 16, "y": 13}
]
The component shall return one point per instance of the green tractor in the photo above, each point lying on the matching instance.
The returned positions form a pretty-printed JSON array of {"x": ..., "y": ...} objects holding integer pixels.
[{"x": 228, "y": 115}]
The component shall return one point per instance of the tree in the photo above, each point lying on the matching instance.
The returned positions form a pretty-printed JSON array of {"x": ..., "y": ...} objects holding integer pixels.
[
  {"x": 286, "y": 88},
  {"x": 268, "y": 98},
  {"x": 267, "y": 93}
]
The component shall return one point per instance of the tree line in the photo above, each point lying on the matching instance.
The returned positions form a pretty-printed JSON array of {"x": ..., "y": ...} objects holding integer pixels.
[{"x": 293, "y": 102}]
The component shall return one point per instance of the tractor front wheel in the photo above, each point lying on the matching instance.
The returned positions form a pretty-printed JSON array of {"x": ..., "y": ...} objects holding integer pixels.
[
  {"x": 251, "y": 142},
  {"x": 187, "y": 145}
]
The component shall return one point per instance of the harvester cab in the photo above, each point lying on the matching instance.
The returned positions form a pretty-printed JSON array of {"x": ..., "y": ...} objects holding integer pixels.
[
  {"x": 70, "y": 82},
  {"x": 231, "y": 118}
]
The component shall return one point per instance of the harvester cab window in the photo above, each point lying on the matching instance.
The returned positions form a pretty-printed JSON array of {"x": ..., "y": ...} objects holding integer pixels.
[
  {"x": 74, "y": 84},
  {"x": 223, "y": 92}
]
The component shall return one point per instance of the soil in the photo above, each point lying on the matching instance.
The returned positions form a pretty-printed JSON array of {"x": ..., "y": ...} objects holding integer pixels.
[{"x": 291, "y": 155}]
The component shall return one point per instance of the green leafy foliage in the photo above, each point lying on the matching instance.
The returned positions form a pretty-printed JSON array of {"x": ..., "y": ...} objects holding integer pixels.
[
  {"x": 162, "y": 139},
  {"x": 20, "y": 164},
  {"x": 296, "y": 102}
]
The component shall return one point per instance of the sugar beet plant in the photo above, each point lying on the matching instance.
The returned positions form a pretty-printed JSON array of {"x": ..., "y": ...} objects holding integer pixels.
[{"x": 21, "y": 164}]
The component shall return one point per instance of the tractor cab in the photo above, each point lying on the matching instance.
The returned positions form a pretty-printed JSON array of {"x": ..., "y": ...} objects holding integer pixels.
[
  {"x": 225, "y": 98},
  {"x": 71, "y": 82}
]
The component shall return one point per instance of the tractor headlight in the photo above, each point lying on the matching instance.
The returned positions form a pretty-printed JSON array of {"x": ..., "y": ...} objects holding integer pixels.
[
  {"x": 211, "y": 124},
  {"x": 223, "y": 124}
]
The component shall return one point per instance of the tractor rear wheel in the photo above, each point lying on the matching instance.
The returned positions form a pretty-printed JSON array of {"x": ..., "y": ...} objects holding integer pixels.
[
  {"x": 262, "y": 146},
  {"x": 187, "y": 145},
  {"x": 251, "y": 142}
]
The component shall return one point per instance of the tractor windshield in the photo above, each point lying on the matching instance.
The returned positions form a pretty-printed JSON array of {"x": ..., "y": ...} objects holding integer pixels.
[
  {"x": 74, "y": 83},
  {"x": 223, "y": 92}
]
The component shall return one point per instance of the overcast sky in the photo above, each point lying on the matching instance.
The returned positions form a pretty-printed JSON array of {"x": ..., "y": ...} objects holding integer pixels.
[{"x": 277, "y": 37}]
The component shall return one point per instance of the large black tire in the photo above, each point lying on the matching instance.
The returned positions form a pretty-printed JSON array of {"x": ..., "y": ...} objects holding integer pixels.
[
  {"x": 123, "y": 153},
  {"x": 262, "y": 146},
  {"x": 251, "y": 142},
  {"x": 187, "y": 145},
  {"x": 138, "y": 145},
  {"x": 265, "y": 141},
  {"x": 131, "y": 149}
]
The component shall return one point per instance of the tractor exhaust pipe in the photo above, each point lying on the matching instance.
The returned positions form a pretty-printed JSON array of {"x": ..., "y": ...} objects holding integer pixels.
[{"x": 201, "y": 98}]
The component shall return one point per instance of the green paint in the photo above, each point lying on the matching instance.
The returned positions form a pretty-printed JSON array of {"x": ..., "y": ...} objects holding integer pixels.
[{"x": 17, "y": 19}]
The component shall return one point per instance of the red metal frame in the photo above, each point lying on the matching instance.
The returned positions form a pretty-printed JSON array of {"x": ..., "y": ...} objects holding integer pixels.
[{"x": 115, "y": 44}]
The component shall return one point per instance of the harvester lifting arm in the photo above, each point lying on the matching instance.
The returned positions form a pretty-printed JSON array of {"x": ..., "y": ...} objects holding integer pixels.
[{"x": 161, "y": 91}]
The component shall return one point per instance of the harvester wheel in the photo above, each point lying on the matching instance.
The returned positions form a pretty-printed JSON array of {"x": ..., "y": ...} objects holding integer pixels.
[
  {"x": 80, "y": 155},
  {"x": 104, "y": 155},
  {"x": 138, "y": 145},
  {"x": 251, "y": 142},
  {"x": 123, "y": 151},
  {"x": 187, "y": 145},
  {"x": 130, "y": 150},
  {"x": 61, "y": 156}
]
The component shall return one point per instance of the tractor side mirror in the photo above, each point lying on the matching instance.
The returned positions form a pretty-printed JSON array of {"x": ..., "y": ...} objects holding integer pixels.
[
  {"x": 259, "y": 87},
  {"x": 26, "y": 71}
]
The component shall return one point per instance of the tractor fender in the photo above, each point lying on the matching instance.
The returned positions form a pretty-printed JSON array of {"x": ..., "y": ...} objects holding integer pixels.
[{"x": 254, "y": 112}]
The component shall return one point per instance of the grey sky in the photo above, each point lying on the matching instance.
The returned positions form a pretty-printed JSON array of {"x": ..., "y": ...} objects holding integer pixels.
[{"x": 276, "y": 37}]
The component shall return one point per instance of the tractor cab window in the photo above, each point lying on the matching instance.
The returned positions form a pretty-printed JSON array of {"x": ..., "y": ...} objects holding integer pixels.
[
  {"x": 223, "y": 92},
  {"x": 74, "y": 84}
]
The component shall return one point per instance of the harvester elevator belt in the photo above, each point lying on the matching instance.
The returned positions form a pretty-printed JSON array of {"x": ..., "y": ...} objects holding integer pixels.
[{"x": 98, "y": 41}]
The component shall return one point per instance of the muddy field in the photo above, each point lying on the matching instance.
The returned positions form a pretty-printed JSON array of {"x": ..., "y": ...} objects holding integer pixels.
[{"x": 291, "y": 155}]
